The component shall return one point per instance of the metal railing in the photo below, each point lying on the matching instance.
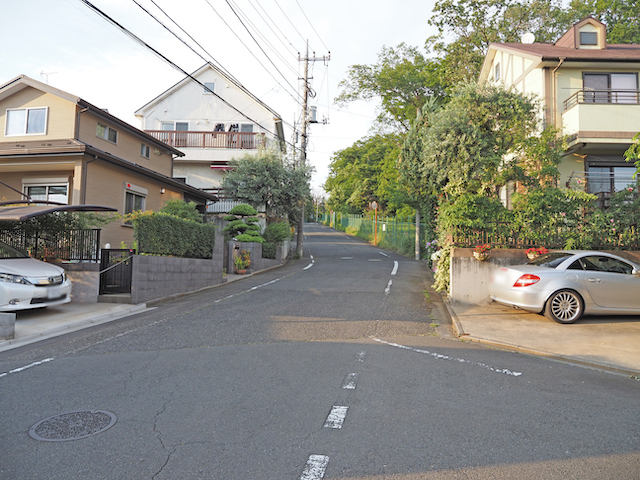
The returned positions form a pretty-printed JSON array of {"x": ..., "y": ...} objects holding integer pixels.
[
  {"x": 70, "y": 245},
  {"x": 631, "y": 97},
  {"x": 233, "y": 140}
]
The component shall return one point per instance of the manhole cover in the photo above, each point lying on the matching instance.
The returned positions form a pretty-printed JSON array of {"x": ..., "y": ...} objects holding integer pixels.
[{"x": 72, "y": 425}]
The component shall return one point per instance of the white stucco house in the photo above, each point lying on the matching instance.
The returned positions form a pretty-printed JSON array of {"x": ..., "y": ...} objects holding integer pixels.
[{"x": 211, "y": 118}]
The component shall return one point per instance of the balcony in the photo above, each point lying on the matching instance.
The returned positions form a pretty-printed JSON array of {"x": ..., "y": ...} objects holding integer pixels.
[
  {"x": 224, "y": 140},
  {"x": 604, "y": 117}
]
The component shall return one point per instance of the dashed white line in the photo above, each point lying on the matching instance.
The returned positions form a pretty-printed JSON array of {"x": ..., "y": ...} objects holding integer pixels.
[
  {"x": 375, "y": 260},
  {"x": 381, "y": 253},
  {"x": 315, "y": 467},
  {"x": 388, "y": 289},
  {"x": 361, "y": 356},
  {"x": 440, "y": 356},
  {"x": 336, "y": 417},
  {"x": 31, "y": 365},
  {"x": 395, "y": 267},
  {"x": 350, "y": 381},
  {"x": 346, "y": 258}
]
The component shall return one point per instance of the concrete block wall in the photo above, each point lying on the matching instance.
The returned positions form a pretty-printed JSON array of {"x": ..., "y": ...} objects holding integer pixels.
[
  {"x": 85, "y": 281},
  {"x": 155, "y": 277},
  {"x": 255, "y": 250}
]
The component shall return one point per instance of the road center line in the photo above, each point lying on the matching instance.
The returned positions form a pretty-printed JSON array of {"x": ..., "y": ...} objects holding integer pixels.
[
  {"x": 336, "y": 417},
  {"x": 361, "y": 356},
  {"x": 388, "y": 289},
  {"x": 395, "y": 267},
  {"x": 315, "y": 467},
  {"x": 31, "y": 365},
  {"x": 350, "y": 381},
  {"x": 440, "y": 356}
]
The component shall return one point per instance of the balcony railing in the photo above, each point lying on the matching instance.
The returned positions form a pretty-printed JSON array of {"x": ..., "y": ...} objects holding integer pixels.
[
  {"x": 235, "y": 140},
  {"x": 631, "y": 97}
]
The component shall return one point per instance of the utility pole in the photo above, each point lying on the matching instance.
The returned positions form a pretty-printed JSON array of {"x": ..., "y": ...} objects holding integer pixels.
[{"x": 303, "y": 142}]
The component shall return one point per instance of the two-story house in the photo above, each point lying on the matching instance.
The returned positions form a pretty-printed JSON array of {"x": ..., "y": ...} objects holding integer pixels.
[
  {"x": 58, "y": 147},
  {"x": 211, "y": 118},
  {"x": 588, "y": 89}
]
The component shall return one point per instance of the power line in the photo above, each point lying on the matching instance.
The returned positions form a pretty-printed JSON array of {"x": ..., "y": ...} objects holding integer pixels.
[
  {"x": 314, "y": 29},
  {"x": 297, "y": 100},
  {"x": 294, "y": 49},
  {"x": 174, "y": 65},
  {"x": 285, "y": 15},
  {"x": 259, "y": 46}
]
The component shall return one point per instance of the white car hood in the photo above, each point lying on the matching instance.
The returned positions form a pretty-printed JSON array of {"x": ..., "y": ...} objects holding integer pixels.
[{"x": 29, "y": 267}]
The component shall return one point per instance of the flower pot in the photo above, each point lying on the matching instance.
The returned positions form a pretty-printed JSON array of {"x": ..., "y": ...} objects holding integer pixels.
[
  {"x": 482, "y": 256},
  {"x": 532, "y": 255},
  {"x": 241, "y": 271}
]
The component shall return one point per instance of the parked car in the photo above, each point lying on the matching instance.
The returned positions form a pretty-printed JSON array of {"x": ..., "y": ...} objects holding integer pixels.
[
  {"x": 29, "y": 283},
  {"x": 566, "y": 284}
]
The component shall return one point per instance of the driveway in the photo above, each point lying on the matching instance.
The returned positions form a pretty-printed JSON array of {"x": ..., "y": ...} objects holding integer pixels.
[{"x": 610, "y": 342}]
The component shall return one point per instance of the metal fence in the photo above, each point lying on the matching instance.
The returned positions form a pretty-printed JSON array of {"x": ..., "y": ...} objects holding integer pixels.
[
  {"x": 70, "y": 245},
  {"x": 394, "y": 233}
]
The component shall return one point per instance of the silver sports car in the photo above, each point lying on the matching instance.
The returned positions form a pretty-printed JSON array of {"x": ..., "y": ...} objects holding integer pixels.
[{"x": 566, "y": 284}]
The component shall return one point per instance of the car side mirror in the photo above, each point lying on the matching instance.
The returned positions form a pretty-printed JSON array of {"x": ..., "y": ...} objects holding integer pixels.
[{"x": 635, "y": 272}]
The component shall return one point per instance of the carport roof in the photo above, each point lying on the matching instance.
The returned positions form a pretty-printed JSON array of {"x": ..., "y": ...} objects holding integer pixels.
[{"x": 20, "y": 212}]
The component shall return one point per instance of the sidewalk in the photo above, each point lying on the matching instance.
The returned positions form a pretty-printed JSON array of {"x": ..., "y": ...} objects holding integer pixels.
[{"x": 604, "y": 342}]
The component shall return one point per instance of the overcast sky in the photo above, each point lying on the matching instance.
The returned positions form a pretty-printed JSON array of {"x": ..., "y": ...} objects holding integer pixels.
[{"x": 67, "y": 44}]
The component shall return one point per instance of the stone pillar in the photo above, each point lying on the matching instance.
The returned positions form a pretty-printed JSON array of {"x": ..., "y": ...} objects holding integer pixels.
[{"x": 7, "y": 326}]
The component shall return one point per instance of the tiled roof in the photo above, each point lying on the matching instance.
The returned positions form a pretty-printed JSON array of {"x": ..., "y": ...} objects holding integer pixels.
[{"x": 548, "y": 51}]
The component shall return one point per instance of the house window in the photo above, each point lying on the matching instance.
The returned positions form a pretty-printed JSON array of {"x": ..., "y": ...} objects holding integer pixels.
[
  {"x": 144, "y": 150},
  {"x": 134, "y": 199},
  {"x": 610, "y": 87},
  {"x": 588, "y": 38},
  {"x": 603, "y": 180},
  {"x": 107, "y": 133},
  {"x": 47, "y": 191},
  {"x": 496, "y": 74},
  {"x": 26, "y": 121},
  {"x": 209, "y": 87}
]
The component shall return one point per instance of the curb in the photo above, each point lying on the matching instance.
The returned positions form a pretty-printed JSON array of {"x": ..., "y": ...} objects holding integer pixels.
[
  {"x": 72, "y": 327},
  {"x": 459, "y": 331}
]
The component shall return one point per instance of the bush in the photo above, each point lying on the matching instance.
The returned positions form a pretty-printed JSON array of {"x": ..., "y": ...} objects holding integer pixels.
[
  {"x": 182, "y": 209},
  {"x": 163, "y": 234},
  {"x": 247, "y": 237},
  {"x": 269, "y": 250},
  {"x": 277, "y": 232},
  {"x": 243, "y": 210}
]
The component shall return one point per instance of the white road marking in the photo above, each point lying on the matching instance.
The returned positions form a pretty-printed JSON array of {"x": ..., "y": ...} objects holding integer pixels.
[
  {"x": 315, "y": 467},
  {"x": 346, "y": 258},
  {"x": 31, "y": 365},
  {"x": 439, "y": 356},
  {"x": 388, "y": 289},
  {"x": 375, "y": 260},
  {"x": 361, "y": 356},
  {"x": 383, "y": 254},
  {"x": 350, "y": 381},
  {"x": 336, "y": 417},
  {"x": 309, "y": 266},
  {"x": 395, "y": 267}
]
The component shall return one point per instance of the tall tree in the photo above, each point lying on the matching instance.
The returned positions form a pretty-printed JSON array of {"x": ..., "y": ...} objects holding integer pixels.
[{"x": 403, "y": 79}]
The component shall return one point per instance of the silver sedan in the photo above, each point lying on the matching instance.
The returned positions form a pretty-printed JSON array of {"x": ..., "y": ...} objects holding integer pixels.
[{"x": 566, "y": 284}]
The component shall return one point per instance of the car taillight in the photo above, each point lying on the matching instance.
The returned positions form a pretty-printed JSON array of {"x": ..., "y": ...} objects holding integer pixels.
[{"x": 526, "y": 280}]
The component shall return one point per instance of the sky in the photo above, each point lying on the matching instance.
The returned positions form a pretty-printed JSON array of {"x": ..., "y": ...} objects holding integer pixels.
[{"x": 72, "y": 48}]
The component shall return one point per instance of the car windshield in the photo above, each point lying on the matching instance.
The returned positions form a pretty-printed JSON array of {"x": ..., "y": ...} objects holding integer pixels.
[
  {"x": 7, "y": 251},
  {"x": 550, "y": 260}
]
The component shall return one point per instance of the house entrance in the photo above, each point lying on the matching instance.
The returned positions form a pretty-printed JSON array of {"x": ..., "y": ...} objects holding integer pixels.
[{"x": 116, "y": 270}]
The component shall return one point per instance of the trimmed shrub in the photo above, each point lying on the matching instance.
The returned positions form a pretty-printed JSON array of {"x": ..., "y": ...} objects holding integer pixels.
[
  {"x": 247, "y": 237},
  {"x": 277, "y": 232},
  {"x": 269, "y": 250},
  {"x": 163, "y": 234},
  {"x": 243, "y": 210}
]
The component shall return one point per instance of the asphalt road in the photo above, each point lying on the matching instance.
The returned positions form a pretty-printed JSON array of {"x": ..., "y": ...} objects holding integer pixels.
[{"x": 336, "y": 366}]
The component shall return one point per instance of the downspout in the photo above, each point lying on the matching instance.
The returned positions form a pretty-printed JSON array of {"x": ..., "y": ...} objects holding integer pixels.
[
  {"x": 83, "y": 198},
  {"x": 555, "y": 95}
]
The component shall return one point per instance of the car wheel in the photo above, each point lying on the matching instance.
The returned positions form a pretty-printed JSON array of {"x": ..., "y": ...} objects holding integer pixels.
[{"x": 564, "y": 306}]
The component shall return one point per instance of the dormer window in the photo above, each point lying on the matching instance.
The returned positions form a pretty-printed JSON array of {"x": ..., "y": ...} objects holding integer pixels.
[{"x": 588, "y": 38}]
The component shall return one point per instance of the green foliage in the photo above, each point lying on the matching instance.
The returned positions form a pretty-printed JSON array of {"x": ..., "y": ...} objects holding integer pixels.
[
  {"x": 159, "y": 233},
  {"x": 364, "y": 172},
  {"x": 249, "y": 237},
  {"x": 269, "y": 179},
  {"x": 243, "y": 260},
  {"x": 269, "y": 250},
  {"x": 182, "y": 209},
  {"x": 621, "y": 17},
  {"x": 242, "y": 210},
  {"x": 403, "y": 79},
  {"x": 229, "y": 218},
  {"x": 441, "y": 275},
  {"x": 277, "y": 232}
]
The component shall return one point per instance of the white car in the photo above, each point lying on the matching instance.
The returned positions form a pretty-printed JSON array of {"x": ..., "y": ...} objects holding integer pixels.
[{"x": 29, "y": 283}]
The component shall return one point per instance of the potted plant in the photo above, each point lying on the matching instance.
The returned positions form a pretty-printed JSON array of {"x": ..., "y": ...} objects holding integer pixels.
[
  {"x": 242, "y": 262},
  {"x": 535, "y": 252},
  {"x": 482, "y": 252}
]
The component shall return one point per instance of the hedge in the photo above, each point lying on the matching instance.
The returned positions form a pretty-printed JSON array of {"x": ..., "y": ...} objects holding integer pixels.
[{"x": 163, "y": 234}]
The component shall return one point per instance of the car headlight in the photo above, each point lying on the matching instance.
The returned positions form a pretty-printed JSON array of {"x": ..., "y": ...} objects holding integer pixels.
[{"x": 9, "y": 278}]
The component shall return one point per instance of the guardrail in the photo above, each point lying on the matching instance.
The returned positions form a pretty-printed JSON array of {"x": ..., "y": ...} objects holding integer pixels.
[
  {"x": 187, "y": 139},
  {"x": 631, "y": 97}
]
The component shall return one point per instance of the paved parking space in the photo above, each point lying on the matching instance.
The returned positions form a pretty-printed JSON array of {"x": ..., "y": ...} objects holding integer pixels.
[{"x": 611, "y": 342}]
